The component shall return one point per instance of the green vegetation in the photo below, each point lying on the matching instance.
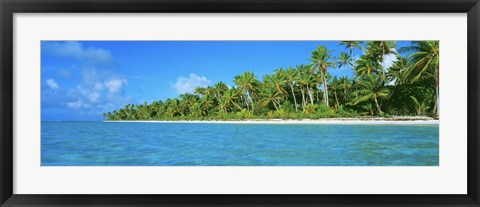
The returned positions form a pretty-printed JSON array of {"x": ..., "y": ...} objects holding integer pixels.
[{"x": 409, "y": 87}]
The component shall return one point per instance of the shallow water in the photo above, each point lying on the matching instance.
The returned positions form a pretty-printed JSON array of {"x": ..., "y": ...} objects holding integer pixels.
[{"x": 207, "y": 144}]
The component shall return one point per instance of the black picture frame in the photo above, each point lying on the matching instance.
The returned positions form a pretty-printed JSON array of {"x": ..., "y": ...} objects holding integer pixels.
[{"x": 9, "y": 7}]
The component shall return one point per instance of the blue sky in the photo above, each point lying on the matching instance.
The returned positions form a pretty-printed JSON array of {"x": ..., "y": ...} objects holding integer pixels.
[{"x": 83, "y": 79}]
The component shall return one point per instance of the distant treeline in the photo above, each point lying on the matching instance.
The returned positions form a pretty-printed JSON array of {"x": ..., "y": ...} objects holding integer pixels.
[{"x": 408, "y": 87}]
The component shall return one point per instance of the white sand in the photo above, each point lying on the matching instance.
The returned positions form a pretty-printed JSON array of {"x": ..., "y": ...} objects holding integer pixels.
[{"x": 304, "y": 121}]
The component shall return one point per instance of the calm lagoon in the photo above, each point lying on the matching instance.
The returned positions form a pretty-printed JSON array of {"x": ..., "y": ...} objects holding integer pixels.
[{"x": 217, "y": 144}]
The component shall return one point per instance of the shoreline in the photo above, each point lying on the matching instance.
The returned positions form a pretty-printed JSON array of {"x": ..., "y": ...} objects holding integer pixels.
[{"x": 405, "y": 121}]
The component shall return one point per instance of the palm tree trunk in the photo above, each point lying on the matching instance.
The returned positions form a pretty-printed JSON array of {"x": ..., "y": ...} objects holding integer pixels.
[
  {"x": 326, "y": 89},
  {"x": 303, "y": 97},
  {"x": 383, "y": 62},
  {"x": 376, "y": 103},
  {"x": 250, "y": 98},
  {"x": 336, "y": 99},
  {"x": 310, "y": 95},
  {"x": 323, "y": 90},
  {"x": 273, "y": 101},
  {"x": 218, "y": 97},
  {"x": 351, "y": 55},
  {"x": 244, "y": 101},
  {"x": 237, "y": 105},
  {"x": 294, "y": 99},
  {"x": 278, "y": 103},
  {"x": 353, "y": 68}
]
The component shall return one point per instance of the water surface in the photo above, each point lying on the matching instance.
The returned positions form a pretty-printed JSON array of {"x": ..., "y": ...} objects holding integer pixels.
[{"x": 208, "y": 144}]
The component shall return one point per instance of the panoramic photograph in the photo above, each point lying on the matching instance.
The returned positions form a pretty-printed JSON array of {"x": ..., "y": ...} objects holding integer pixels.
[{"x": 240, "y": 103}]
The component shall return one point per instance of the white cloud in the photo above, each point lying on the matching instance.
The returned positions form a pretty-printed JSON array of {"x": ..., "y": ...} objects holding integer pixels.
[
  {"x": 115, "y": 86},
  {"x": 93, "y": 97},
  {"x": 52, "y": 84},
  {"x": 389, "y": 59},
  {"x": 77, "y": 104},
  {"x": 188, "y": 85},
  {"x": 88, "y": 55},
  {"x": 99, "y": 88},
  {"x": 100, "y": 92}
]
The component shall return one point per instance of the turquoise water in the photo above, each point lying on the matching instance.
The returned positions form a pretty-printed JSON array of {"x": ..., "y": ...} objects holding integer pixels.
[{"x": 189, "y": 144}]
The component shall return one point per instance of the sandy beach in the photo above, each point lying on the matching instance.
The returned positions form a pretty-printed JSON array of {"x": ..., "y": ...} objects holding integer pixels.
[{"x": 397, "y": 120}]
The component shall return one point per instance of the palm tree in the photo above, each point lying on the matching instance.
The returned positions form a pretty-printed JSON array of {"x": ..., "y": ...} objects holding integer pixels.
[
  {"x": 155, "y": 108},
  {"x": 367, "y": 65},
  {"x": 198, "y": 110},
  {"x": 344, "y": 61},
  {"x": 335, "y": 85},
  {"x": 420, "y": 107},
  {"x": 222, "y": 106},
  {"x": 169, "y": 112},
  {"x": 270, "y": 95},
  {"x": 346, "y": 87},
  {"x": 318, "y": 84},
  {"x": 123, "y": 114},
  {"x": 276, "y": 81},
  {"x": 166, "y": 108},
  {"x": 176, "y": 107},
  {"x": 396, "y": 73},
  {"x": 219, "y": 89},
  {"x": 425, "y": 59},
  {"x": 385, "y": 48},
  {"x": 210, "y": 91},
  {"x": 290, "y": 75},
  {"x": 247, "y": 82},
  {"x": 187, "y": 101},
  {"x": 200, "y": 91},
  {"x": 301, "y": 69},
  {"x": 144, "y": 111},
  {"x": 371, "y": 88},
  {"x": 207, "y": 102},
  {"x": 351, "y": 45},
  {"x": 115, "y": 113},
  {"x": 321, "y": 60},
  {"x": 306, "y": 81},
  {"x": 230, "y": 97}
]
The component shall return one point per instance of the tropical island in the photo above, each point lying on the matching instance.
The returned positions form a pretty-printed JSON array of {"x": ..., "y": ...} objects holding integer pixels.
[{"x": 408, "y": 88}]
